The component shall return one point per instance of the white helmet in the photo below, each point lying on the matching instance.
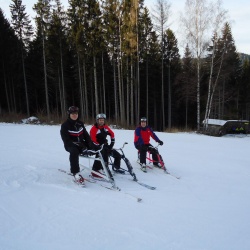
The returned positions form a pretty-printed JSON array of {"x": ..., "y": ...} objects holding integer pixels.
[{"x": 100, "y": 116}]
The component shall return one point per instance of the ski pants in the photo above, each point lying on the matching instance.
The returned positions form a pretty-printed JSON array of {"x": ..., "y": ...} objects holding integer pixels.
[
  {"x": 143, "y": 149},
  {"x": 105, "y": 154},
  {"x": 73, "y": 159}
]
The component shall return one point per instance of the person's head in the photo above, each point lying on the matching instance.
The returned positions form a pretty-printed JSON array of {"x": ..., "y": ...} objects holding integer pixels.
[
  {"x": 100, "y": 119},
  {"x": 143, "y": 122},
  {"x": 73, "y": 112}
]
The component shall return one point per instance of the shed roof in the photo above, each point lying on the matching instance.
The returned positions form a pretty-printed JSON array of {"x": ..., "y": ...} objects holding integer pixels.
[{"x": 221, "y": 122}]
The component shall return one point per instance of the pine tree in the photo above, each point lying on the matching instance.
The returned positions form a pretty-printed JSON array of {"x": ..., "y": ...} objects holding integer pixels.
[
  {"x": 57, "y": 49},
  {"x": 9, "y": 67},
  {"x": 23, "y": 30},
  {"x": 111, "y": 17},
  {"x": 42, "y": 9},
  {"x": 171, "y": 58},
  {"x": 186, "y": 88},
  {"x": 244, "y": 91}
]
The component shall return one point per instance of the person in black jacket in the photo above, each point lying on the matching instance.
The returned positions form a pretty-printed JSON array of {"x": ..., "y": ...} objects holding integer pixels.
[{"x": 76, "y": 140}]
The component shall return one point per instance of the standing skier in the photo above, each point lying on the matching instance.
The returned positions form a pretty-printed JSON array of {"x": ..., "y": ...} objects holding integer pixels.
[
  {"x": 98, "y": 134},
  {"x": 76, "y": 141},
  {"x": 141, "y": 141}
]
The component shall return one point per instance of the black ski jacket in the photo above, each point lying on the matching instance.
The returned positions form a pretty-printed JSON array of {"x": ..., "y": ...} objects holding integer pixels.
[{"x": 74, "y": 131}]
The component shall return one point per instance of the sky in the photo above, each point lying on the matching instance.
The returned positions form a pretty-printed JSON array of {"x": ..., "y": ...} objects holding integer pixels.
[
  {"x": 206, "y": 209},
  {"x": 238, "y": 16}
]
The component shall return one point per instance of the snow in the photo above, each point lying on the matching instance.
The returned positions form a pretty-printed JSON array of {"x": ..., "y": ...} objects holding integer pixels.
[{"x": 41, "y": 208}]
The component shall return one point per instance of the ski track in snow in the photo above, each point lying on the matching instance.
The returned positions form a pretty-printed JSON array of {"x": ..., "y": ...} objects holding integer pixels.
[{"x": 41, "y": 208}]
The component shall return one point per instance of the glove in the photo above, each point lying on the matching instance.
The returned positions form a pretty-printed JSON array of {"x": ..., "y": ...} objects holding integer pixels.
[{"x": 160, "y": 142}]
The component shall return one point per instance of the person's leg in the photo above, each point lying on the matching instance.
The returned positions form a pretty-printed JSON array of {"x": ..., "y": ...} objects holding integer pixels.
[
  {"x": 117, "y": 159},
  {"x": 74, "y": 159},
  {"x": 143, "y": 152},
  {"x": 154, "y": 155},
  {"x": 97, "y": 164}
]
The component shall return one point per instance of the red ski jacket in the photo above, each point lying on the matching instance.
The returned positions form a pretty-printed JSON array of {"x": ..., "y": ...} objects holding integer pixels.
[
  {"x": 99, "y": 134},
  {"x": 142, "y": 135}
]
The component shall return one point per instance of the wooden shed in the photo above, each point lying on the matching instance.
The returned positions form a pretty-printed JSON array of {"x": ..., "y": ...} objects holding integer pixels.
[{"x": 218, "y": 127}]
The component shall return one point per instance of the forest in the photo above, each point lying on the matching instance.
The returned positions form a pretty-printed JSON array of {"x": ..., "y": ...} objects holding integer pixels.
[{"x": 119, "y": 58}]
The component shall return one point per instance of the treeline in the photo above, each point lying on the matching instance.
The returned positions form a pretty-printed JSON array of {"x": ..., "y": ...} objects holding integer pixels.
[{"x": 109, "y": 57}]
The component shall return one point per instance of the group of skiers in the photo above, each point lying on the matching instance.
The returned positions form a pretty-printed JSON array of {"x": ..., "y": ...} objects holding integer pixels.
[{"x": 77, "y": 141}]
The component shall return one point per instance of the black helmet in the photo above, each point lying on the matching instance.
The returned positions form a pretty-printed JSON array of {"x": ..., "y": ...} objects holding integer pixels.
[
  {"x": 143, "y": 119},
  {"x": 100, "y": 116},
  {"x": 72, "y": 109}
]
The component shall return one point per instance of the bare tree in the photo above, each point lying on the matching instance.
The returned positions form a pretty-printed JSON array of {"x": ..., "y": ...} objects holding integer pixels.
[
  {"x": 219, "y": 16},
  {"x": 196, "y": 25},
  {"x": 160, "y": 15}
]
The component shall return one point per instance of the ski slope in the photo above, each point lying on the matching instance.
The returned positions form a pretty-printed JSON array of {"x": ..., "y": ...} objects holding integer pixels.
[{"x": 41, "y": 208}]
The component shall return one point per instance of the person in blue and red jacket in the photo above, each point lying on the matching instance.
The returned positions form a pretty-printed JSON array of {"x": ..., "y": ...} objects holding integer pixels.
[
  {"x": 76, "y": 140},
  {"x": 141, "y": 141},
  {"x": 98, "y": 134}
]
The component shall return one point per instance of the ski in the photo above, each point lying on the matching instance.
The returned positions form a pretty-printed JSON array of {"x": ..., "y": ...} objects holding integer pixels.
[
  {"x": 98, "y": 179},
  {"x": 113, "y": 187},
  {"x": 68, "y": 173},
  {"x": 146, "y": 185},
  {"x": 164, "y": 170},
  {"x": 138, "y": 199},
  {"x": 176, "y": 177},
  {"x": 79, "y": 184},
  {"x": 140, "y": 183}
]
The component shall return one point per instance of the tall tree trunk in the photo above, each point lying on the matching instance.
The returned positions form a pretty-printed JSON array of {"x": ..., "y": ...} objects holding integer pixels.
[
  {"x": 25, "y": 85},
  {"x": 80, "y": 85},
  {"x": 6, "y": 89},
  {"x": 64, "y": 104},
  {"x": 45, "y": 77},
  {"x": 60, "y": 91},
  {"x": 127, "y": 96},
  {"x": 162, "y": 92},
  {"x": 115, "y": 90},
  {"x": 169, "y": 98},
  {"x": 96, "y": 88},
  {"x": 198, "y": 93},
  {"x": 147, "y": 103},
  {"x": 131, "y": 95},
  {"x": 120, "y": 89},
  {"x": 86, "y": 103},
  {"x": 103, "y": 85}
]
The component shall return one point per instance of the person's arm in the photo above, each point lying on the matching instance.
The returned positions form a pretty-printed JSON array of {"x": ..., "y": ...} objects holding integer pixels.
[
  {"x": 65, "y": 136},
  {"x": 112, "y": 137},
  {"x": 138, "y": 140},
  {"x": 154, "y": 136},
  {"x": 93, "y": 132}
]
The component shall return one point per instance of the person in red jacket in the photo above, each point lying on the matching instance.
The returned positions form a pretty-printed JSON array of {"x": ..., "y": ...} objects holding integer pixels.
[
  {"x": 141, "y": 141},
  {"x": 98, "y": 134}
]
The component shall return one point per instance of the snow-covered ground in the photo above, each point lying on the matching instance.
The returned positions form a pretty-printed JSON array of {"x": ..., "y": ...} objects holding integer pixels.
[{"x": 41, "y": 208}]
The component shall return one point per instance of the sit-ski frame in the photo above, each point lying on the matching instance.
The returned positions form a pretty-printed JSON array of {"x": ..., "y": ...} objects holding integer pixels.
[{"x": 108, "y": 176}]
